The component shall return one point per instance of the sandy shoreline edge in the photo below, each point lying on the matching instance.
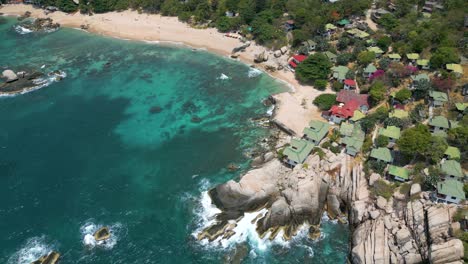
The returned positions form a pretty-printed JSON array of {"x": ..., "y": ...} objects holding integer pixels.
[{"x": 294, "y": 109}]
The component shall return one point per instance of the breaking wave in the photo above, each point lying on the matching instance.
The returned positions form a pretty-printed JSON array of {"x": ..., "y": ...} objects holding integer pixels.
[
  {"x": 21, "y": 30},
  {"x": 33, "y": 249},
  {"x": 254, "y": 73}
]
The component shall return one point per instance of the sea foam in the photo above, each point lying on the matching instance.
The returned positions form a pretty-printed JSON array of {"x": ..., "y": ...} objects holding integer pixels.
[
  {"x": 21, "y": 30},
  {"x": 245, "y": 230},
  {"x": 33, "y": 249},
  {"x": 254, "y": 73}
]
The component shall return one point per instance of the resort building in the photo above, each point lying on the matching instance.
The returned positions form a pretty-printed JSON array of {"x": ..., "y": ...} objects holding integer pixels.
[
  {"x": 399, "y": 113},
  {"x": 451, "y": 169},
  {"x": 438, "y": 98},
  {"x": 349, "y": 103},
  {"x": 394, "y": 57},
  {"x": 412, "y": 57},
  {"x": 296, "y": 59},
  {"x": 297, "y": 152},
  {"x": 423, "y": 64},
  {"x": 343, "y": 22},
  {"x": 440, "y": 124},
  {"x": 450, "y": 191},
  {"x": 369, "y": 70},
  {"x": 416, "y": 79},
  {"x": 331, "y": 56},
  {"x": 358, "y": 115},
  {"x": 330, "y": 29},
  {"x": 392, "y": 132},
  {"x": 452, "y": 153},
  {"x": 356, "y": 33},
  {"x": 309, "y": 45},
  {"x": 382, "y": 154},
  {"x": 349, "y": 84},
  {"x": 352, "y": 141},
  {"x": 378, "y": 52},
  {"x": 455, "y": 68},
  {"x": 461, "y": 107},
  {"x": 316, "y": 131},
  {"x": 398, "y": 173},
  {"x": 339, "y": 73}
]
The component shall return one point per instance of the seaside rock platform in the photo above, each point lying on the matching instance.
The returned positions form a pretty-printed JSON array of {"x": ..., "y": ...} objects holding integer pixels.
[
  {"x": 39, "y": 24},
  {"x": 16, "y": 83}
]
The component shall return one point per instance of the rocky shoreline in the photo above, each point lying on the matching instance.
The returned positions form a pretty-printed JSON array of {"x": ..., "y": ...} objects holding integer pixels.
[
  {"x": 23, "y": 82},
  {"x": 406, "y": 228}
]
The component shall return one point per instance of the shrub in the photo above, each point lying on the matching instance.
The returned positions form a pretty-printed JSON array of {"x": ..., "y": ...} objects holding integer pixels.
[
  {"x": 377, "y": 166},
  {"x": 319, "y": 152},
  {"x": 403, "y": 95},
  {"x": 382, "y": 188},
  {"x": 381, "y": 141},
  {"x": 405, "y": 188},
  {"x": 325, "y": 101},
  {"x": 320, "y": 84},
  {"x": 337, "y": 86}
]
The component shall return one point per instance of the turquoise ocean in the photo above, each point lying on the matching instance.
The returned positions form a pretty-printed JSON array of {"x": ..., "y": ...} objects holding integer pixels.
[{"x": 131, "y": 138}]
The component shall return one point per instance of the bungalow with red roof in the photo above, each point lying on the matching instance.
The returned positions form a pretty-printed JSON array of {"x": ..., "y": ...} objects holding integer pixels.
[
  {"x": 296, "y": 59},
  {"x": 349, "y": 84},
  {"x": 349, "y": 102}
]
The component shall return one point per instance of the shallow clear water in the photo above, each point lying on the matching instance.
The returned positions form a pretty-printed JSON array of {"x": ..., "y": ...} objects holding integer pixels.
[{"x": 87, "y": 151}]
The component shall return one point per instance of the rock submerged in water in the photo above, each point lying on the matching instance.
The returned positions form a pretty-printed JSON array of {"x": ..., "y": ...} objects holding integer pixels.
[
  {"x": 102, "y": 234},
  {"x": 155, "y": 110},
  {"x": 50, "y": 258}
]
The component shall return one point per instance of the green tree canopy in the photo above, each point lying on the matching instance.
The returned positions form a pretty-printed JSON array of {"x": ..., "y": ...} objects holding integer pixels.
[
  {"x": 325, "y": 101},
  {"x": 315, "y": 67},
  {"x": 415, "y": 140},
  {"x": 377, "y": 92},
  {"x": 444, "y": 55},
  {"x": 365, "y": 57},
  {"x": 403, "y": 95}
]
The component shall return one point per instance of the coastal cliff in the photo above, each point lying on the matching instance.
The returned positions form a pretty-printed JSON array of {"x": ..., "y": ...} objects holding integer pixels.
[{"x": 407, "y": 228}]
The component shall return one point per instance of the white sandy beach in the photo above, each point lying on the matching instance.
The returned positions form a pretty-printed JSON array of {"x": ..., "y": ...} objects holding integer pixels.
[{"x": 295, "y": 108}]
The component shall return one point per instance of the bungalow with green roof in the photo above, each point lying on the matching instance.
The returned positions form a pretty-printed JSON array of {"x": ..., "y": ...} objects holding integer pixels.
[
  {"x": 378, "y": 51},
  {"x": 452, "y": 153},
  {"x": 369, "y": 70},
  {"x": 353, "y": 142},
  {"x": 339, "y": 72},
  {"x": 358, "y": 115},
  {"x": 399, "y": 113},
  {"x": 439, "y": 125},
  {"x": 346, "y": 129},
  {"x": 412, "y": 57},
  {"x": 343, "y": 22},
  {"x": 452, "y": 170},
  {"x": 330, "y": 29},
  {"x": 461, "y": 107},
  {"x": 316, "y": 131},
  {"x": 356, "y": 33},
  {"x": 455, "y": 68},
  {"x": 382, "y": 154},
  {"x": 398, "y": 173},
  {"x": 450, "y": 191},
  {"x": 438, "y": 98},
  {"x": 331, "y": 56},
  {"x": 392, "y": 132},
  {"x": 297, "y": 152},
  {"x": 309, "y": 45},
  {"x": 417, "y": 79},
  {"x": 395, "y": 57},
  {"x": 423, "y": 64}
]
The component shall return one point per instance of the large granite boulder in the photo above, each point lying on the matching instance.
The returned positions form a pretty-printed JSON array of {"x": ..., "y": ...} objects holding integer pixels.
[
  {"x": 447, "y": 252},
  {"x": 9, "y": 75},
  {"x": 50, "y": 258}
]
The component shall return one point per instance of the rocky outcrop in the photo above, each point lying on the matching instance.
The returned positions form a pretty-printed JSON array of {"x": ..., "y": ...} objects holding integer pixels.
[
  {"x": 102, "y": 234},
  {"x": 406, "y": 231},
  {"x": 291, "y": 197},
  {"x": 41, "y": 24},
  {"x": 447, "y": 252}
]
